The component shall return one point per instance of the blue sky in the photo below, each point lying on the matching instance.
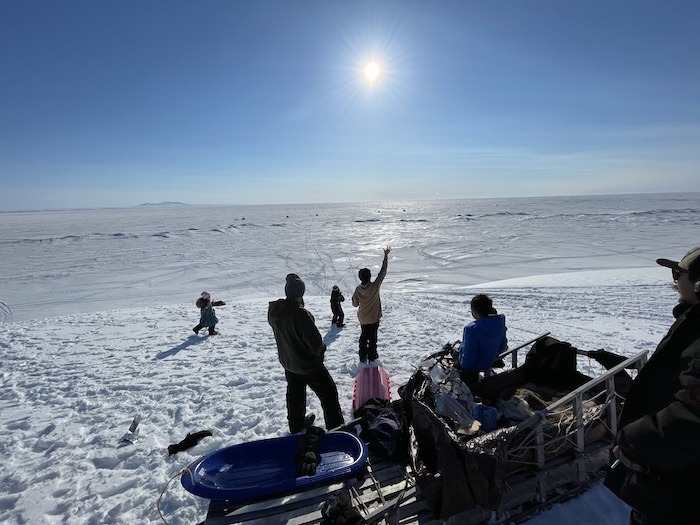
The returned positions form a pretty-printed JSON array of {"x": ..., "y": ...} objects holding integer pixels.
[{"x": 251, "y": 102}]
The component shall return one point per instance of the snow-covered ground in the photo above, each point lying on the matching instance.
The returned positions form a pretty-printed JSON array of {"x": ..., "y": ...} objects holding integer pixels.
[{"x": 98, "y": 307}]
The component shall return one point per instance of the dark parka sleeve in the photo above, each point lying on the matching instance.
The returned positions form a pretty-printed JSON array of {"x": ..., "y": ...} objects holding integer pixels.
[
  {"x": 309, "y": 334},
  {"x": 668, "y": 440}
]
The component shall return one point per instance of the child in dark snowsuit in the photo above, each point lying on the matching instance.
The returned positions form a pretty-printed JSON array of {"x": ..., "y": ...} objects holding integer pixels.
[
  {"x": 336, "y": 308},
  {"x": 207, "y": 316}
]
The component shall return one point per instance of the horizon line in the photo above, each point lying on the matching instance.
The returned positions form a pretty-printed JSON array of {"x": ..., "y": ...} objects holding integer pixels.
[{"x": 178, "y": 204}]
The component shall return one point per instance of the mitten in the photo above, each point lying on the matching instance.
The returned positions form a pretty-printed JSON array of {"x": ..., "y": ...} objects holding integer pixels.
[
  {"x": 307, "y": 459},
  {"x": 338, "y": 510},
  {"x": 218, "y": 303},
  {"x": 190, "y": 441}
]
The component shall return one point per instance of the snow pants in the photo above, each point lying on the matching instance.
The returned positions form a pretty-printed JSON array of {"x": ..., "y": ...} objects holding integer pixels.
[
  {"x": 368, "y": 342},
  {"x": 323, "y": 386},
  {"x": 338, "y": 314},
  {"x": 212, "y": 328}
]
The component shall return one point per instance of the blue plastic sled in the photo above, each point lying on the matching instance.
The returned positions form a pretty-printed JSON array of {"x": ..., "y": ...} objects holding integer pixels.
[{"x": 256, "y": 470}]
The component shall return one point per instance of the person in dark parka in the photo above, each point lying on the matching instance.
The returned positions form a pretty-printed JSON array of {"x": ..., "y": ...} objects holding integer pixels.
[
  {"x": 659, "y": 439},
  {"x": 301, "y": 352}
]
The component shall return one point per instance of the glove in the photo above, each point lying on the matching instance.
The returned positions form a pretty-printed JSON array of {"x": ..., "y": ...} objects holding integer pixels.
[
  {"x": 338, "y": 510},
  {"x": 306, "y": 464},
  {"x": 190, "y": 441},
  {"x": 307, "y": 459},
  {"x": 498, "y": 363}
]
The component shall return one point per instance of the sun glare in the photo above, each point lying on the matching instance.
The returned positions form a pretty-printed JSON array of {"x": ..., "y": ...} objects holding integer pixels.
[
  {"x": 371, "y": 67},
  {"x": 372, "y": 72}
]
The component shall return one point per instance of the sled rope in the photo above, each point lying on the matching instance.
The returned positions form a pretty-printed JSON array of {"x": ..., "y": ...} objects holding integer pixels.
[
  {"x": 166, "y": 488},
  {"x": 376, "y": 483}
]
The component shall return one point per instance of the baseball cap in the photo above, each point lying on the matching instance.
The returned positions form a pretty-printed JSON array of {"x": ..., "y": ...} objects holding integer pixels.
[{"x": 689, "y": 263}]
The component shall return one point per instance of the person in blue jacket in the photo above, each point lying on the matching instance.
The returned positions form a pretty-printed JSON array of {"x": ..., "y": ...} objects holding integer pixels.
[{"x": 482, "y": 340}]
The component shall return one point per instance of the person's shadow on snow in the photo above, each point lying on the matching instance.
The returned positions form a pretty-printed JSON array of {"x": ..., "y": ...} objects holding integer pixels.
[
  {"x": 331, "y": 335},
  {"x": 191, "y": 341}
]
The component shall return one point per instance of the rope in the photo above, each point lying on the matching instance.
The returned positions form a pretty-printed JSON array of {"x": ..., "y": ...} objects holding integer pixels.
[
  {"x": 370, "y": 471},
  {"x": 166, "y": 488}
]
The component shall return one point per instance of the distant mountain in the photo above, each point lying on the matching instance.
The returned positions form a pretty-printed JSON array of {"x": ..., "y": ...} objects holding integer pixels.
[{"x": 166, "y": 204}]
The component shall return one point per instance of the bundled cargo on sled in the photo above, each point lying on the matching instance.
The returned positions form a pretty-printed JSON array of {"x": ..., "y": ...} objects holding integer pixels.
[{"x": 555, "y": 428}]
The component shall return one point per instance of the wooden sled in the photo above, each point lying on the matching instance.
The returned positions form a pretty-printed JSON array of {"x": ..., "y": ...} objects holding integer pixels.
[{"x": 383, "y": 493}]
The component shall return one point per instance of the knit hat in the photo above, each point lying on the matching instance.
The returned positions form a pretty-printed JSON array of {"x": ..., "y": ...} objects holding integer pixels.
[
  {"x": 689, "y": 263},
  {"x": 336, "y": 289},
  {"x": 206, "y": 296},
  {"x": 294, "y": 287}
]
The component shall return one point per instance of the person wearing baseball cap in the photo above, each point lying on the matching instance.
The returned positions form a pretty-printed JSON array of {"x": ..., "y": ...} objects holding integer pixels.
[
  {"x": 659, "y": 439},
  {"x": 689, "y": 269}
]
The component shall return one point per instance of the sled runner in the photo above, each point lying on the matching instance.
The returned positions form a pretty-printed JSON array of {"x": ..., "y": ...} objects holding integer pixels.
[
  {"x": 371, "y": 381},
  {"x": 263, "y": 469}
]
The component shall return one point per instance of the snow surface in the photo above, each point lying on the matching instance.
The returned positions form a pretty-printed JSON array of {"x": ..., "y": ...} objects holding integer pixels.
[{"x": 98, "y": 307}]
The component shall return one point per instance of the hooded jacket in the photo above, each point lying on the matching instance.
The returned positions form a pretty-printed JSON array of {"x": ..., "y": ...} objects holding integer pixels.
[
  {"x": 366, "y": 296},
  {"x": 336, "y": 297},
  {"x": 207, "y": 315},
  {"x": 299, "y": 344},
  {"x": 660, "y": 429},
  {"x": 483, "y": 339}
]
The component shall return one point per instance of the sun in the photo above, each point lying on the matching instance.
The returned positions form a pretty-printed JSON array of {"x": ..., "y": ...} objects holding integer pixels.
[{"x": 372, "y": 72}]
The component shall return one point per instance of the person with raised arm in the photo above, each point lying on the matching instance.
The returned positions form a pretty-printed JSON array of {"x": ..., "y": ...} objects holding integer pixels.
[{"x": 369, "y": 309}]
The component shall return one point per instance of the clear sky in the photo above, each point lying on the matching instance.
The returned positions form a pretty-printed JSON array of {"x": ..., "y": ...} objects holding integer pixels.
[{"x": 250, "y": 102}]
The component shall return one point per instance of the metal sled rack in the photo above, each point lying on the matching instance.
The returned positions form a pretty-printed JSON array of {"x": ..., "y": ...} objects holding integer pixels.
[
  {"x": 551, "y": 456},
  {"x": 591, "y": 431}
]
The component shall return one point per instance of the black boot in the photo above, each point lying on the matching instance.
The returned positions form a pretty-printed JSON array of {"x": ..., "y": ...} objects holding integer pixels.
[{"x": 307, "y": 422}]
